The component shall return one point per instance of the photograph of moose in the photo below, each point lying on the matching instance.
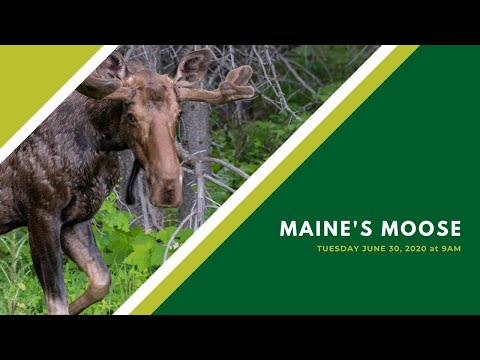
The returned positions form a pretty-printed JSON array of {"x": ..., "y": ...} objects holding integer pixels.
[{"x": 56, "y": 181}]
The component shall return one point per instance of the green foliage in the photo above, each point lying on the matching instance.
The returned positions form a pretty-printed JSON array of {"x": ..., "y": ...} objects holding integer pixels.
[
  {"x": 132, "y": 255},
  {"x": 14, "y": 270},
  {"x": 247, "y": 147},
  {"x": 247, "y": 144}
]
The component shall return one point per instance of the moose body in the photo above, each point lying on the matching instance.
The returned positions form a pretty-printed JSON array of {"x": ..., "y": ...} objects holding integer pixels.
[
  {"x": 60, "y": 168},
  {"x": 58, "y": 178}
]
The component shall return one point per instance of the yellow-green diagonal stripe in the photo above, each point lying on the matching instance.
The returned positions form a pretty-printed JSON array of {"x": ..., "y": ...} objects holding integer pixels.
[
  {"x": 274, "y": 180},
  {"x": 31, "y": 75}
]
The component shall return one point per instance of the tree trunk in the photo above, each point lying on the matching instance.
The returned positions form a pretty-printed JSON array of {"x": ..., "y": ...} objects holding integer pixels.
[{"x": 195, "y": 138}]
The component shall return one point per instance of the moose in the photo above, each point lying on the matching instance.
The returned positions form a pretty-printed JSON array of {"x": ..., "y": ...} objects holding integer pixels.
[{"x": 57, "y": 179}]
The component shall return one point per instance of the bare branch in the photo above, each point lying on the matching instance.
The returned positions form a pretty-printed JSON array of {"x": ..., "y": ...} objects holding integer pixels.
[
  {"x": 232, "y": 56},
  {"x": 174, "y": 235},
  {"x": 262, "y": 65},
  {"x": 294, "y": 73},
  {"x": 212, "y": 202},
  {"x": 212, "y": 179},
  {"x": 143, "y": 201},
  {"x": 277, "y": 89},
  {"x": 119, "y": 199},
  {"x": 308, "y": 72},
  {"x": 219, "y": 183},
  {"x": 280, "y": 92},
  {"x": 228, "y": 166},
  {"x": 200, "y": 194},
  {"x": 355, "y": 57},
  {"x": 191, "y": 160},
  {"x": 153, "y": 211},
  {"x": 187, "y": 170}
]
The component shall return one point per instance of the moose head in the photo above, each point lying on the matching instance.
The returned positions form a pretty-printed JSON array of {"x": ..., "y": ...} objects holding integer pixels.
[{"x": 151, "y": 109}]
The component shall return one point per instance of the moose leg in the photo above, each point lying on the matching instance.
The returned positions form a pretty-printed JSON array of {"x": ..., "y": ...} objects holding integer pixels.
[
  {"x": 47, "y": 259},
  {"x": 79, "y": 245}
]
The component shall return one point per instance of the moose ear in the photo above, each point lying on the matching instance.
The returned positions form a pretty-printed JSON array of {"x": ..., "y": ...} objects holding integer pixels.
[
  {"x": 192, "y": 68},
  {"x": 106, "y": 82},
  {"x": 113, "y": 67}
]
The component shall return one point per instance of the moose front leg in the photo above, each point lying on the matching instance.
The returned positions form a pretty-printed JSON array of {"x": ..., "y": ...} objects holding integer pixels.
[
  {"x": 47, "y": 259},
  {"x": 79, "y": 245}
]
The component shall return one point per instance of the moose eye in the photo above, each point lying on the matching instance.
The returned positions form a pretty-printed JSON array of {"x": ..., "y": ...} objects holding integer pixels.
[{"x": 131, "y": 118}]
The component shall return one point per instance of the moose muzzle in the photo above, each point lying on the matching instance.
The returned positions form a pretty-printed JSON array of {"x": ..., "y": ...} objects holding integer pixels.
[{"x": 166, "y": 189}]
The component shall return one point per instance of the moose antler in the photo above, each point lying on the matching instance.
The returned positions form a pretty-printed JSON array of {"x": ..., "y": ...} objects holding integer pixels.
[
  {"x": 232, "y": 89},
  {"x": 105, "y": 89},
  {"x": 97, "y": 88}
]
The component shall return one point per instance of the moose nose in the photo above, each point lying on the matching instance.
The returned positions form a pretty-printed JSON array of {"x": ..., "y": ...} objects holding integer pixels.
[{"x": 166, "y": 191}]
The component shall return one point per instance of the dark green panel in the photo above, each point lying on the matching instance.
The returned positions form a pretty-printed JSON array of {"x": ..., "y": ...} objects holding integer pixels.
[{"x": 410, "y": 152}]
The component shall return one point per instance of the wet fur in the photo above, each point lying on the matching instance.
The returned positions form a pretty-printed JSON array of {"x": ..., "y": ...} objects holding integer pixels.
[{"x": 67, "y": 166}]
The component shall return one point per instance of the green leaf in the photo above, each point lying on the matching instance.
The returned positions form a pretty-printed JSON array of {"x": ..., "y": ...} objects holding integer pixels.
[
  {"x": 216, "y": 168},
  {"x": 140, "y": 257},
  {"x": 157, "y": 253},
  {"x": 116, "y": 257},
  {"x": 143, "y": 240},
  {"x": 136, "y": 231},
  {"x": 120, "y": 221},
  {"x": 22, "y": 286},
  {"x": 109, "y": 258},
  {"x": 327, "y": 91},
  {"x": 118, "y": 242},
  {"x": 162, "y": 235},
  {"x": 184, "y": 234},
  {"x": 108, "y": 206}
]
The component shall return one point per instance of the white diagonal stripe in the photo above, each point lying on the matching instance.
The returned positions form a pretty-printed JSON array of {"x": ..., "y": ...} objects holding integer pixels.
[
  {"x": 255, "y": 179},
  {"x": 55, "y": 100}
]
